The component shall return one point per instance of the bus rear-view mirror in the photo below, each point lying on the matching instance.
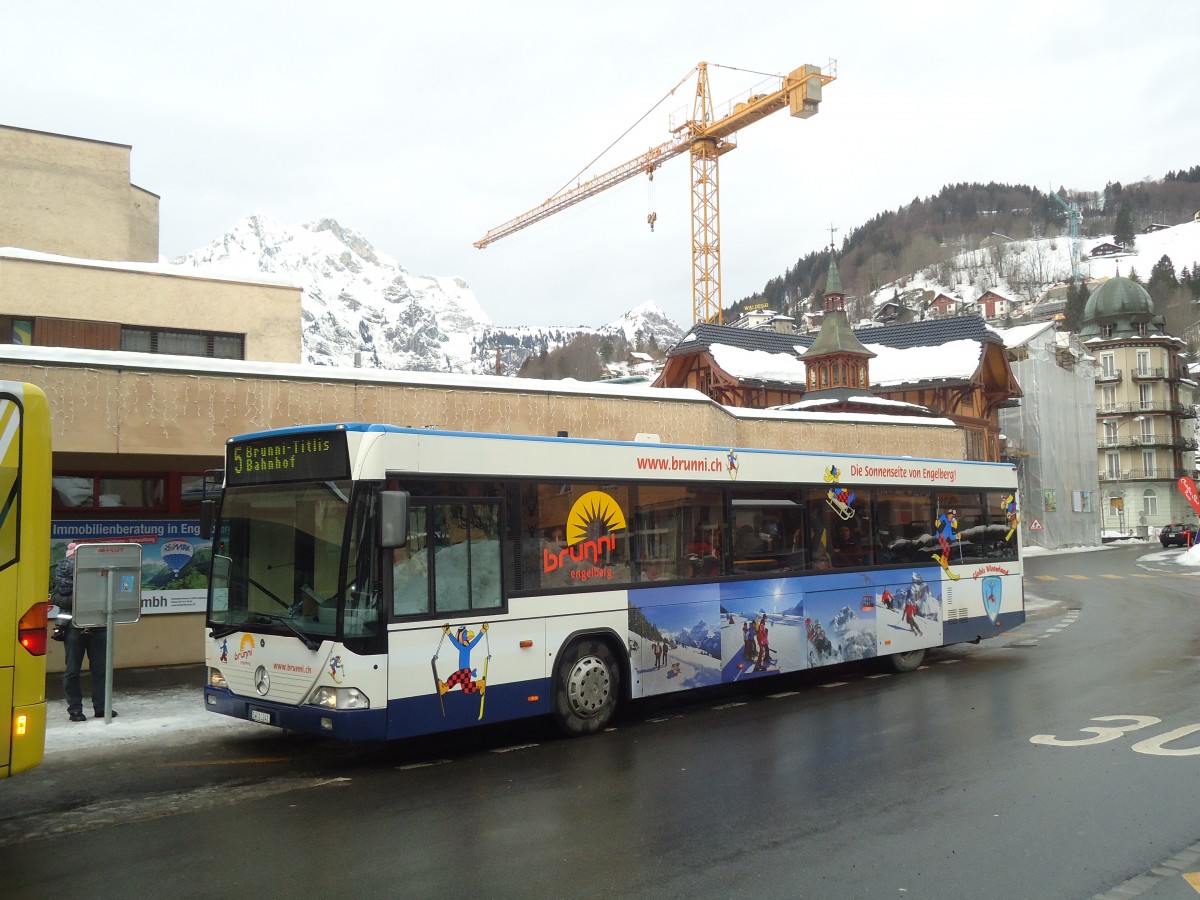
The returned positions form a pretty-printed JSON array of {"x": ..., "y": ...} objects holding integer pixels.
[{"x": 393, "y": 518}]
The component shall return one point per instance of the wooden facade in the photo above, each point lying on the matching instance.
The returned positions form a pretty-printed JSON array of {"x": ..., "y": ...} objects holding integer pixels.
[{"x": 971, "y": 403}]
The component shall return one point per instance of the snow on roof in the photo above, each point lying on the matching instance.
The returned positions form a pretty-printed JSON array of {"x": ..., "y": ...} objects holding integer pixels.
[
  {"x": 804, "y": 416},
  {"x": 758, "y": 364},
  {"x": 200, "y": 365},
  {"x": 147, "y": 268},
  {"x": 952, "y": 360},
  {"x": 1021, "y": 334},
  {"x": 865, "y": 399}
]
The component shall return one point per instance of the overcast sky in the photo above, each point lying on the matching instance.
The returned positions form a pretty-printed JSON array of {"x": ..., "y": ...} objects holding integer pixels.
[{"x": 422, "y": 125}]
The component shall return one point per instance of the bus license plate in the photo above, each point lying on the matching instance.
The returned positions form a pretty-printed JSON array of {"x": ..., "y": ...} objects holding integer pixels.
[{"x": 260, "y": 715}]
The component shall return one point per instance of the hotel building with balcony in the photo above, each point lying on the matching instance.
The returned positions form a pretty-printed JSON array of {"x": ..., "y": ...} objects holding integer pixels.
[{"x": 1145, "y": 417}]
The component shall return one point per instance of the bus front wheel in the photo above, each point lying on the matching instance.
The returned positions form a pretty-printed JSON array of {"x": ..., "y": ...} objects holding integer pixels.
[
  {"x": 586, "y": 688},
  {"x": 907, "y": 662}
]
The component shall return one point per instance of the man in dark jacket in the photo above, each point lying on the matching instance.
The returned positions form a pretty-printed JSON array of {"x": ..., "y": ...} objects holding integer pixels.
[{"x": 92, "y": 641}]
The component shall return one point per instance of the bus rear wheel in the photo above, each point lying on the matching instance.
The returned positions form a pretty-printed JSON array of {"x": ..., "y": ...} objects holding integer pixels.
[
  {"x": 587, "y": 686},
  {"x": 907, "y": 662}
]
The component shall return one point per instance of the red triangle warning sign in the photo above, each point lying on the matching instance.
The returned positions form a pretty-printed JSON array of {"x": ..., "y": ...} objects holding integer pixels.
[{"x": 1036, "y": 525}]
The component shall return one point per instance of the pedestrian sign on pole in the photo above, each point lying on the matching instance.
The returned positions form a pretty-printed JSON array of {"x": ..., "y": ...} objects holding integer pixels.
[{"x": 1036, "y": 525}]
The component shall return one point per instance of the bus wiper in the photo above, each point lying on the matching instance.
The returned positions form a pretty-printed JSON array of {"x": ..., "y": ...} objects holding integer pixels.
[
  {"x": 335, "y": 490},
  {"x": 309, "y": 642},
  {"x": 220, "y": 631}
]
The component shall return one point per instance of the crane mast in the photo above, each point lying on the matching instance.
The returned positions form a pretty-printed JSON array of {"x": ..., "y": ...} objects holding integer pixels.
[
  {"x": 706, "y": 138},
  {"x": 1073, "y": 216}
]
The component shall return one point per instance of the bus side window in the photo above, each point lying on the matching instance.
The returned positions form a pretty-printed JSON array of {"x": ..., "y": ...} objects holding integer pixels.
[
  {"x": 410, "y": 568},
  {"x": 485, "y": 555}
]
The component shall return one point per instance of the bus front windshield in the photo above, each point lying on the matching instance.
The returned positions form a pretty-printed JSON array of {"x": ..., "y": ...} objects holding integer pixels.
[{"x": 277, "y": 558}]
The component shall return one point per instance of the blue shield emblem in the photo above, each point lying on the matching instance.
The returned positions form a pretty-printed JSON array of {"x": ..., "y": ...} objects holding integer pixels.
[{"x": 992, "y": 589}]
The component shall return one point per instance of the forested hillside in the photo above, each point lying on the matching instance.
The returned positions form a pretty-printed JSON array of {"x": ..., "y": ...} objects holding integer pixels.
[{"x": 933, "y": 230}]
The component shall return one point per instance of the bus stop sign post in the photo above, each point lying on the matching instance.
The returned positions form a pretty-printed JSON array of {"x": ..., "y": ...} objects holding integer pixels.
[{"x": 108, "y": 592}]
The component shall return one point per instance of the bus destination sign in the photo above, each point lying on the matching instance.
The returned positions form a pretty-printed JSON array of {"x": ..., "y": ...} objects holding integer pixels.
[{"x": 294, "y": 457}]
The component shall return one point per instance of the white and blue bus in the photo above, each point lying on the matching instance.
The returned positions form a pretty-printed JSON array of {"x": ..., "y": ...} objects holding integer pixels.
[{"x": 376, "y": 582}]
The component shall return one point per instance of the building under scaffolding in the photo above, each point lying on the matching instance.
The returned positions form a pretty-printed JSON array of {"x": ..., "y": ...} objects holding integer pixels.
[{"x": 1051, "y": 437}]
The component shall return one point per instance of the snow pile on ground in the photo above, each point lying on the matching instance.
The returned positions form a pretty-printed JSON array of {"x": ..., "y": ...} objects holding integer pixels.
[{"x": 164, "y": 716}]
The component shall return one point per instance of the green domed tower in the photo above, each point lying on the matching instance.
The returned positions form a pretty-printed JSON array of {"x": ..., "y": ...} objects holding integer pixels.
[{"x": 1120, "y": 307}]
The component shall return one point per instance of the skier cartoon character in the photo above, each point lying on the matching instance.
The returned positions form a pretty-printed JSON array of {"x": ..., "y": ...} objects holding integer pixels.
[
  {"x": 1010, "y": 515},
  {"x": 337, "y": 669},
  {"x": 947, "y": 532},
  {"x": 464, "y": 676},
  {"x": 225, "y": 650},
  {"x": 947, "y": 526}
]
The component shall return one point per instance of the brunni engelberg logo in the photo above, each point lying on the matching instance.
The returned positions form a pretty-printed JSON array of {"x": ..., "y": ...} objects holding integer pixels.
[{"x": 592, "y": 524}]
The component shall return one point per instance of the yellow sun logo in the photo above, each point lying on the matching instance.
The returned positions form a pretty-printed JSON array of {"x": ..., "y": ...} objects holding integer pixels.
[
  {"x": 593, "y": 507},
  {"x": 247, "y": 644}
]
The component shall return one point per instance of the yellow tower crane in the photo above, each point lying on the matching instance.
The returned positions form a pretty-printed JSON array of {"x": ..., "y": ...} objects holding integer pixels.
[{"x": 707, "y": 138}]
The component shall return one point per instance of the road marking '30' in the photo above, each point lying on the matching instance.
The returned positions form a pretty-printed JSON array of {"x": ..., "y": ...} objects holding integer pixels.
[{"x": 1102, "y": 734}]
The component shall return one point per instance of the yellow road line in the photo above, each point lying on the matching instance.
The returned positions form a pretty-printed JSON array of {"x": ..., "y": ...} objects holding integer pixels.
[
  {"x": 1045, "y": 578},
  {"x": 1116, "y": 577}
]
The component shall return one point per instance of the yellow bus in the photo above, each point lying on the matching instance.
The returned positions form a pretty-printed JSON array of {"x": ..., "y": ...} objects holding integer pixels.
[{"x": 24, "y": 573}]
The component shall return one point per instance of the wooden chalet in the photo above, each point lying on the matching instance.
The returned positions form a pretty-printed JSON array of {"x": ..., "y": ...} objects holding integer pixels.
[
  {"x": 956, "y": 367},
  {"x": 994, "y": 305}
]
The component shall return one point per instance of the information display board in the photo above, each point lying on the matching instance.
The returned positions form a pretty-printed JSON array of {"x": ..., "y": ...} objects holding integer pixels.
[{"x": 107, "y": 575}]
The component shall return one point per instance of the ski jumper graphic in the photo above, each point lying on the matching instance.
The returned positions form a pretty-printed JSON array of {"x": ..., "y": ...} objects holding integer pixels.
[
  {"x": 464, "y": 677},
  {"x": 947, "y": 532}
]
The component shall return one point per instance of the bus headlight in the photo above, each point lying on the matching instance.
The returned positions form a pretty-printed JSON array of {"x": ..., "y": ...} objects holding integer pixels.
[
  {"x": 340, "y": 698},
  {"x": 216, "y": 679}
]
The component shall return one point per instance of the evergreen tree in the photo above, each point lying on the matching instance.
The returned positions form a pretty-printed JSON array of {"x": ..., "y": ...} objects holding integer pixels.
[
  {"x": 1162, "y": 276},
  {"x": 1123, "y": 230},
  {"x": 1077, "y": 298}
]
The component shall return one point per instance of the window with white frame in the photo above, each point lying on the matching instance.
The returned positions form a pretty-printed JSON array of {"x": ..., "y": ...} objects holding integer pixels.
[
  {"x": 1148, "y": 465},
  {"x": 1108, "y": 398},
  {"x": 1146, "y": 395},
  {"x": 1108, "y": 364},
  {"x": 1149, "y": 503},
  {"x": 1110, "y": 432},
  {"x": 1143, "y": 362},
  {"x": 1112, "y": 463}
]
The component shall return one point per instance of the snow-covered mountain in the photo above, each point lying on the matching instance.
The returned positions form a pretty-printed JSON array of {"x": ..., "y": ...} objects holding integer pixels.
[{"x": 359, "y": 302}]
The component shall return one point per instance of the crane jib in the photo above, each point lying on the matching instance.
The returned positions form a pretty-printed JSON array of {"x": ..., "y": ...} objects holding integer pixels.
[{"x": 706, "y": 138}]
